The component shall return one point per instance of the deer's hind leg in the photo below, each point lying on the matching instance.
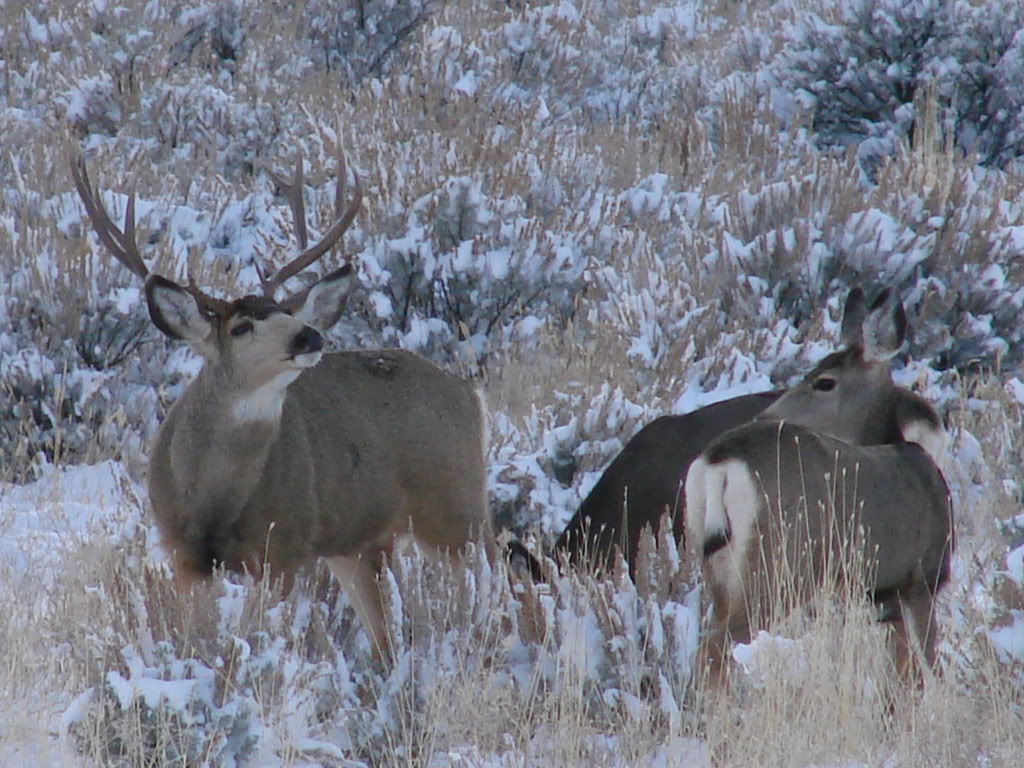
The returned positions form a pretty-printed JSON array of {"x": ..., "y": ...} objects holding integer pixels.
[
  {"x": 730, "y": 623},
  {"x": 913, "y": 634},
  {"x": 913, "y": 640},
  {"x": 359, "y": 576}
]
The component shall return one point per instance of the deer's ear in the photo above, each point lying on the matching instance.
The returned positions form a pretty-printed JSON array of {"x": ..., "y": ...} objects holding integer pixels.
[
  {"x": 322, "y": 303},
  {"x": 885, "y": 327},
  {"x": 854, "y": 312},
  {"x": 175, "y": 312}
]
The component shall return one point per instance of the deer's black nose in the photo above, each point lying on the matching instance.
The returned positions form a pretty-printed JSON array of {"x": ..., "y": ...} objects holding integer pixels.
[{"x": 306, "y": 340}]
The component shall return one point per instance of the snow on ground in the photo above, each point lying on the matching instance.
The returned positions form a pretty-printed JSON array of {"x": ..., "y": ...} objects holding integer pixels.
[
  {"x": 42, "y": 522},
  {"x": 43, "y": 525},
  {"x": 1009, "y": 638}
]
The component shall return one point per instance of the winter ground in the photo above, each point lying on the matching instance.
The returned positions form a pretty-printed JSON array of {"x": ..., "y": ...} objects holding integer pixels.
[{"x": 601, "y": 211}]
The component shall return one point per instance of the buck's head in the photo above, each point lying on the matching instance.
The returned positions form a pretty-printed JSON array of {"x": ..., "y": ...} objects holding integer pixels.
[
  {"x": 849, "y": 394},
  {"x": 256, "y": 339},
  {"x": 257, "y": 343}
]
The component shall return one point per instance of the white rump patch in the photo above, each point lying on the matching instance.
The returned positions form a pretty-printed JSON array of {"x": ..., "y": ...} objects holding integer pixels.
[
  {"x": 733, "y": 502},
  {"x": 265, "y": 403},
  {"x": 739, "y": 502},
  {"x": 720, "y": 498},
  {"x": 696, "y": 502},
  {"x": 929, "y": 436}
]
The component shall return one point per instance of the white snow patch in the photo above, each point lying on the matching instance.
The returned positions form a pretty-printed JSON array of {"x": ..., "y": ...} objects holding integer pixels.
[
  {"x": 1015, "y": 565},
  {"x": 766, "y": 650},
  {"x": 126, "y": 299},
  {"x": 1016, "y": 388},
  {"x": 1009, "y": 640},
  {"x": 694, "y": 397},
  {"x": 41, "y": 522}
]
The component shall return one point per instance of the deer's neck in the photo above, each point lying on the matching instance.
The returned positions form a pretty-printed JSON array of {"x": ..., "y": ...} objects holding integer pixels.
[
  {"x": 220, "y": 441},
  {"x": 264, "y": 404},
  {"x": 215, "y": 415},
  {"x": 880, "y": 428}
]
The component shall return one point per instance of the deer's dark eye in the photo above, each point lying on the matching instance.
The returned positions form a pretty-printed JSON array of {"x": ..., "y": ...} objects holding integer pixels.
[
  {"x": 824, "y": 384},
  {"x": 241, "y": 329}
]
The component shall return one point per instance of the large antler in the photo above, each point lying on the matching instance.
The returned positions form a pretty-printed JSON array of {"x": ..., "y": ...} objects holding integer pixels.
[
  {"x": 121, "y": 242},
  {"x": 343, "y": 220}
]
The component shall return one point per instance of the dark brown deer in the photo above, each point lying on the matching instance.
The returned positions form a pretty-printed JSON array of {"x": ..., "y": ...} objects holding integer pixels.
[
  {"x": 645, "y": 482},
  {"x": 278, "y": 453}
]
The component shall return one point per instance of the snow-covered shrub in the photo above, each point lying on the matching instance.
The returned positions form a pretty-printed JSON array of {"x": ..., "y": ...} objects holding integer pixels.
[
  {"x": 107, "y": 337},
  {"x": 220, "y": 25},
  {"x": 361, "y": 38},
  {"x": 205, "y": 680},
  {"x": 37, "y": 415},
  {"x": 540, "y": 469},
  {"x": 986, "y": 95},
  {"x": 75, "y": 383},
  {"x": 212, "y": 120},
  {"x": 595, "y": 62},
  {"x": 468, "y": 268},
  {"x": 609, "y": 649},
  {"x": 93, "y": 106},
  {"x": 868, "y": 72},
  {"x": 168, "y": 711}
]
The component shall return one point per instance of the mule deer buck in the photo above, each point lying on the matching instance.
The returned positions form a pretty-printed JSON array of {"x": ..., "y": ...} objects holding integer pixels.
[
  {"x": 843, "y": 464},
  {"x": 278, "y": 453}
]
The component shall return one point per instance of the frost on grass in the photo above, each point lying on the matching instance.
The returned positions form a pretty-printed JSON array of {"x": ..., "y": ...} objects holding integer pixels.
[{"x": 236, "y": 675}]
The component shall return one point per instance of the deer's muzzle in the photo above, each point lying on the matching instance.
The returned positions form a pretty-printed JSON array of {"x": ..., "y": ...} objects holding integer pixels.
[{"x": 307, "y": 340}]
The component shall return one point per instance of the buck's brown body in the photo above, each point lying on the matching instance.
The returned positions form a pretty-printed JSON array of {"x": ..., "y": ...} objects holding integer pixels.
[{"x": 367, "y": 444}]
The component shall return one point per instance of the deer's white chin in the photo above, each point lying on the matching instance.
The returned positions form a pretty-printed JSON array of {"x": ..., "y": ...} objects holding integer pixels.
[{"x": 307, "y": 359}]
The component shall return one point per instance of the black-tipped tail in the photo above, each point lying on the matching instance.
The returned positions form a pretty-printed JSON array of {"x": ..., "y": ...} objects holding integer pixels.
[{"x": 715, "y": 542}]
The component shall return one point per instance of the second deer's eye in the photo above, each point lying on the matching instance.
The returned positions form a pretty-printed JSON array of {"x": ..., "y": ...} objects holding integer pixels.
[
  {"x": 241, "y": 329},
  {"x": 824, "y": 384}
]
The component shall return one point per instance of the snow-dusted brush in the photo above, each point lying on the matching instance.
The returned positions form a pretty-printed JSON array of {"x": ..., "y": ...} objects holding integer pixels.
[
  {"x": 844, "y": 468},
  {"x": 278, "y": 453}
]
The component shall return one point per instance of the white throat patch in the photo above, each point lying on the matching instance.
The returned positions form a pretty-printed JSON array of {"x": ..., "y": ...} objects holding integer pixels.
[{"x": 265, "y": 403}]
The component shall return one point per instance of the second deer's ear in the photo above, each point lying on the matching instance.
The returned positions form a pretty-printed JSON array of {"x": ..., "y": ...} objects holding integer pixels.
[
  {"x": 854, "y": 312},
  {"x": 175, "y": 312},
  {"x": 321, "y": 305},
  {"x": 885, "y": 328}
]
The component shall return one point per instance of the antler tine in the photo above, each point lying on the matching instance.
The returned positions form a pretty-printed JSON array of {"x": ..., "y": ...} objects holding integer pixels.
[
  {"x": 343, "y": 220},
  {"x": 121, "y": 243},
  {"x": 293, "y": 191}
]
